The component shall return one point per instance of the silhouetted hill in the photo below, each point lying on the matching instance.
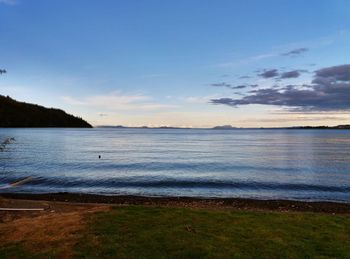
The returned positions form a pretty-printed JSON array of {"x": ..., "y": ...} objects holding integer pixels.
[
  {"x": 20, "y": 114},
  {"x": 226, "y": 127}
]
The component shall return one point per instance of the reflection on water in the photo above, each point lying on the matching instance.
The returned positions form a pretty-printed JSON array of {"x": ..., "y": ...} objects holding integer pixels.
[{"x": 288, "y": 164}]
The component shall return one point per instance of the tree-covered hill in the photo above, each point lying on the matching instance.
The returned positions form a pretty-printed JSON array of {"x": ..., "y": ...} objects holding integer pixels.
[{"x": 20, "y": 114}]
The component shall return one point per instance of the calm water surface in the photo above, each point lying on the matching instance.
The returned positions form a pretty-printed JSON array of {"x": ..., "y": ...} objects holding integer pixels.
[{"x": 265, "y": 164}]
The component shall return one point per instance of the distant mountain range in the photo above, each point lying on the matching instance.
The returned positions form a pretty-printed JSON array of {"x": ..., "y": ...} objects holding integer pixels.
[
  {"x": 229, "y": 127},
  {"x": 322, "y": 127},
  {"x": 20, "y": 114},
  {"x": 142, "y": 127}
]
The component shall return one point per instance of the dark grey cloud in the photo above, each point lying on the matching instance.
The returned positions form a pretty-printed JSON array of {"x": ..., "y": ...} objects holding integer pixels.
[
  {"x": 274, "y": 73},
  {"x": 244, "y": 86},
  {"x": 329, "y": 91},
  {"x": 269, "y": 73},
  {"x": 339, "y": 73},
  {"x": 295, "y": 52},
  {"x": 290, "y": 74}
]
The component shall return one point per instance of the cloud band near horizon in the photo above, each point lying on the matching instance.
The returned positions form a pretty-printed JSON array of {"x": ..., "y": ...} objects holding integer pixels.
[{"x": 328, "y": 91}]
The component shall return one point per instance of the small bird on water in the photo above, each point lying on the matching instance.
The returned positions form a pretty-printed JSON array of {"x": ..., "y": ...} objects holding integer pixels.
[{"x": 99, "y": 157}]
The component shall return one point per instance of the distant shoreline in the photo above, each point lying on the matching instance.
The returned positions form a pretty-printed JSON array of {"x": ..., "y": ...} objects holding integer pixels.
[
  {"x": 169, "y": 128},
  {"x": 339, "y": 127},
  {"x": 190, "y": 202}
]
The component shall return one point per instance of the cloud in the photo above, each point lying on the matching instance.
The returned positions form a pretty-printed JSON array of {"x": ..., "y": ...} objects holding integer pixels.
[
  {"x": 9, "y": 2},
  {"x": 269, "y": 73},
  {"x": 329, "y": 91},
  {"x": 295, "y": 52},
  {"x": 274, "y": 73},
  {"x": 198, "y": 99},
  {"x": 290, "y": 74},
  {"x": 223, "y": 84},
  {"x": 247, "y": 60},
  {"x": 117, "y": 101},
  {"x": 299, "y": 118},
  {"x": 338, "y": 73},
  {"x": 262, "y": 56},
  {"x": 239, "y": 87}
]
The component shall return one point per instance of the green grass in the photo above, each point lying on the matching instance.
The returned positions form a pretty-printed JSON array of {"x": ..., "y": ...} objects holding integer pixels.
[
  {"x": 143, "y": 232},
  {"x": 12, "y": 251},
  {"x": 151, "y": 232}
]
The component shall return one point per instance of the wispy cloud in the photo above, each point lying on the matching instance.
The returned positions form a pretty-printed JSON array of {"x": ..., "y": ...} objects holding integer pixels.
[
  {"x": 233, "y": 87},
  {"x": 259, "y": 57},
  {"x": 199, "y": 99},
  {"x": 295, "y": 52},
  {"x": 299, "y": 118},
  {"x": 9, "y": 2},
  {"x": 248, "y": 60},
  {"x": 118, "y": 101},
  {"x": 222, "y": 84},
  {"x": 292, "y": 49}
]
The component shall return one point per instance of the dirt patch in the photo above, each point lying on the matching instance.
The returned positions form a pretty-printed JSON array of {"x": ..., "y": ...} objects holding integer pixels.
[{"x": 58, "y": 227}]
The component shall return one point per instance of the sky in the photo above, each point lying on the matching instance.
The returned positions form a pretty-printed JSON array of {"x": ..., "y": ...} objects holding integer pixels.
[{"x": 184, "y": 63}]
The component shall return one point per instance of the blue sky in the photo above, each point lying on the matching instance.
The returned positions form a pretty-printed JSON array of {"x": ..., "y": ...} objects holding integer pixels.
[{"x": 180, "y": 63}]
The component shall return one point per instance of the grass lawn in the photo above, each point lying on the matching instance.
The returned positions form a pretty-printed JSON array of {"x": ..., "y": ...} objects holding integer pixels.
[{"x": 151, "y": 232}]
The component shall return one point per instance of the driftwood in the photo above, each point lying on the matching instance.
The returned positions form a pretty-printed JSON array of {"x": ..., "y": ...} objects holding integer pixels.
[
  {"x": 23, "y": 181},
  {"x": 5, "y": 143},
  {"x": 6, "y": 186},
  {"x": 21, "y": 209}
]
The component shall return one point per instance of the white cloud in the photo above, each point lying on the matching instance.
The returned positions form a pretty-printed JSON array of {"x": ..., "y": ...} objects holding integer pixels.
[
  {"x": 300, "y": 118},
  {"x": 117, "y": 101},
  {"x": 199, "y": 99}
]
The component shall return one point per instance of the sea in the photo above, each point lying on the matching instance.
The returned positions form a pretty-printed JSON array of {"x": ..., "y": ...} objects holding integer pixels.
[{"x": 292, "y": 164}]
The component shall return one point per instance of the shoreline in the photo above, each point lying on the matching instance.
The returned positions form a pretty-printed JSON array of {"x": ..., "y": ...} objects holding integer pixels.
[{"x": 241, "y": 204}]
